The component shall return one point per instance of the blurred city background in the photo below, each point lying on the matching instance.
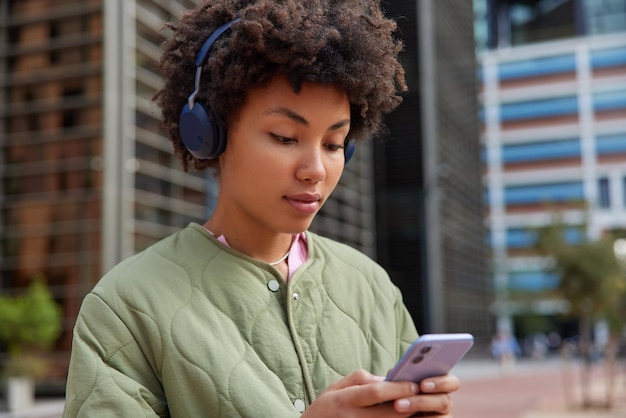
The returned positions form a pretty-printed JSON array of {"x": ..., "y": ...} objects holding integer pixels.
[{"x": 496, "y": 200}]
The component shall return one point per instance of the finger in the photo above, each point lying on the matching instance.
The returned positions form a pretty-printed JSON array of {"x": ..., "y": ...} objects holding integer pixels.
[
  {"x": 436, "y": 404},
  {"x": 379, "y": 392},
  {"x": 357, "y": 378},
  {"x": 440, "y": 384}
]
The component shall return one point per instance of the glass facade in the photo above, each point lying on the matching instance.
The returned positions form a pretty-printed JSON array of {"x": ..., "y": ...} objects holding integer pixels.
[
  {"x": 165, "y": 197},
  {"x": 604, "y": 16},
  {"x": 526, "y": 22},
  {"x": 553, "y": 107},
  {"x": 550, "y": 150},
  {"x": 51, "y": 90},
  {"x": 511, "y": 23},
  {"x": 604, "y": 196}
]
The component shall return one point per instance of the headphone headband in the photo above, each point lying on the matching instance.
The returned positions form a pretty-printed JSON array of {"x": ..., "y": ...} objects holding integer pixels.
[
  {"x": 203, "y": 54},
  {"x": 205, "y": 139}
]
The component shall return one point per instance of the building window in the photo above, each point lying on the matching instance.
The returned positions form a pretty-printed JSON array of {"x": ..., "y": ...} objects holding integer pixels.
[
  {"x": 533, "y": 280},
  {"x": 608, "y": 58},
  {"x": 537, "y": 67},
  {"x": 604, "y": 197},
  {"x": 517, "y": 238},
  {"x": 611, "y": 144},
  {"x": 604, "y": 16},
  {"x": 541, "y": 151},
  {"x": 481, "y": 28},
  {"x": 539, "y": 109},
  {"x": 523, "y": 238},
  {"x": 521, "y": 22},
  {"x": 544, "y": 193},
  {"x": 609, "y": 100}
]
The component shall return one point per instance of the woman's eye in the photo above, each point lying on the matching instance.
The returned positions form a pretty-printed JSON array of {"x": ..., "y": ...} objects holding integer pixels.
[
  {"x": 334, "y": 147},
  {"x": 283, "y": 139}
]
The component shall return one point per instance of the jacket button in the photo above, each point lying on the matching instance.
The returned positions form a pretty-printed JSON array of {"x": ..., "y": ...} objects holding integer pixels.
[
  {"x": 296, "y": 297},
  {"x": 273, "y": 285},
  {"x": 299, "y": 405}
]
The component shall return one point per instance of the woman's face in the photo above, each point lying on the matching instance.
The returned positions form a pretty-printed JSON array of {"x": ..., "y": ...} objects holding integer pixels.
[{"x": 284, "y": 156}]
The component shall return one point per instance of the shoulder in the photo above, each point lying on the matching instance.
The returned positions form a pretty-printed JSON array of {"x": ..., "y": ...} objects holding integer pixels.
[{"x": 168, "y": 268}]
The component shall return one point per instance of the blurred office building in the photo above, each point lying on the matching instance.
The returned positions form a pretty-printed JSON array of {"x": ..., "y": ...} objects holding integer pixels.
[
  {"x": 553, "y": 96},
  {"x": 429, "y": 206},
  {"x": 88, "y": 177}
]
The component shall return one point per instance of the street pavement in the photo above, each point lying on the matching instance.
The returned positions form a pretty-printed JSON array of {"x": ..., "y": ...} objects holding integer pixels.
[
  {"x": 531, "y": 389},
  {"x": 534, "y": 389},
  {"x": 44, "y": 408}
]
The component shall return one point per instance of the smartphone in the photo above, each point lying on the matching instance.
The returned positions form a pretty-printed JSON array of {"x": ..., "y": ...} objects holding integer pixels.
[{"x": 430, "y": 355}]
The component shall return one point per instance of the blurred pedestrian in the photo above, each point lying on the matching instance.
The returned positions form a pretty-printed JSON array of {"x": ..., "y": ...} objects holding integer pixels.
[{"x": 505, "y": 349}]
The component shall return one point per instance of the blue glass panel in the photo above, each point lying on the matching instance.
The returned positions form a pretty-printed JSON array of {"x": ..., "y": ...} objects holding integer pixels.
[
  {"x": 520, "y": 238},
  {"x": 538, "y": 151},
  {"x": 556, "y": 192},
  {"x": 609, "y": 100},
  {"x": 533, "y": 280},
  {"x": 517, "y": 238},
  {"x": 610, "y": 144},
  {"x": 604, "y": 193},
  {"x": 574, "y": 235},
  {"x": 539, "y": 109},
  {"x": 537, "y": 67},
  {"x": 606, "y": 58}
]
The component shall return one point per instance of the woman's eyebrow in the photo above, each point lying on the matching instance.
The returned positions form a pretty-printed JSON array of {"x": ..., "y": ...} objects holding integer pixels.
[
  {"x": 339, "y": 125},
  {"x": 288, "y": 113},
  {"x": 300, "y": 119}
]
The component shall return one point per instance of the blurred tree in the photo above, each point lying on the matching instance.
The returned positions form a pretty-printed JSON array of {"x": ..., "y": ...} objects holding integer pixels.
[
  {"x": 592, "y": 281},
  {"x": 29, "y": 325}
]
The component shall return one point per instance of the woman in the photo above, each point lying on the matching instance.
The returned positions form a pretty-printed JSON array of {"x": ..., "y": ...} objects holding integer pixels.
[{"x": 250, "y": 314}]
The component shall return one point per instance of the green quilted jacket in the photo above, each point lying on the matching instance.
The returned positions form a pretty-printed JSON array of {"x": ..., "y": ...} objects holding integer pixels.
[{"x": 192, "y": 328}]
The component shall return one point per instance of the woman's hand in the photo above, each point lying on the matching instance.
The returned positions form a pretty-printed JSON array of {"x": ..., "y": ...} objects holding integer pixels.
[{"x": 364, "y": 395}]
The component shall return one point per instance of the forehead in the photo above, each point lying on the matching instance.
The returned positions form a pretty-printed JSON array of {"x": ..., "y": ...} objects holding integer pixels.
[{"x": 312, "y": 98}]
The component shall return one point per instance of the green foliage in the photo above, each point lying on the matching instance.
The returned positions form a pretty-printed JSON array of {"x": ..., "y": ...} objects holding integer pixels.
[
  {"x": 591, "y": 278},
  {"x": 30, "y": 323}
]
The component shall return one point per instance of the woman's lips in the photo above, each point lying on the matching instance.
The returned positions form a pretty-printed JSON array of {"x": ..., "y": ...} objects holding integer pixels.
[{"x": 307, "y": 203}]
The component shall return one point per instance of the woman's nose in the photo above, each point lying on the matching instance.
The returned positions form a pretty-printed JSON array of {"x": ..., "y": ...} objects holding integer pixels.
[{"x": 311, "y": 167}]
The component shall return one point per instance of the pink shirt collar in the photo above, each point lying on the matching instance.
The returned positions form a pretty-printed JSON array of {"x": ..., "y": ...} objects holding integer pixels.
[{"x": 298, "y": 252}]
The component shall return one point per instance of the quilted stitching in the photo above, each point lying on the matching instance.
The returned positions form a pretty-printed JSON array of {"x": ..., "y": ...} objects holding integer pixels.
[{"x": 233, "y": 347}]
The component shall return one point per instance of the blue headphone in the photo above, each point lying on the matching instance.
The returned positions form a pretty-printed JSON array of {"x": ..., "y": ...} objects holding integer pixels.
[{"x": 205, "y": 139}]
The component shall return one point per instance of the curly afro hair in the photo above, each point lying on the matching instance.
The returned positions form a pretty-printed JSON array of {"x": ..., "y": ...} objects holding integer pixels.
[{"x": 346, "y": 43}]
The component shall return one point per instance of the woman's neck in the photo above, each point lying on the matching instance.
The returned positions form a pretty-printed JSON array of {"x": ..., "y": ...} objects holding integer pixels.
[{"x": 270, "y": 247}]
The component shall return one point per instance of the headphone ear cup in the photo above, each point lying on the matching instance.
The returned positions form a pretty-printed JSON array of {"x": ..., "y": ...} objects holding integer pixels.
[
  {"x": 203, "y": 138},
  {"x": 348, "y": 150}
]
